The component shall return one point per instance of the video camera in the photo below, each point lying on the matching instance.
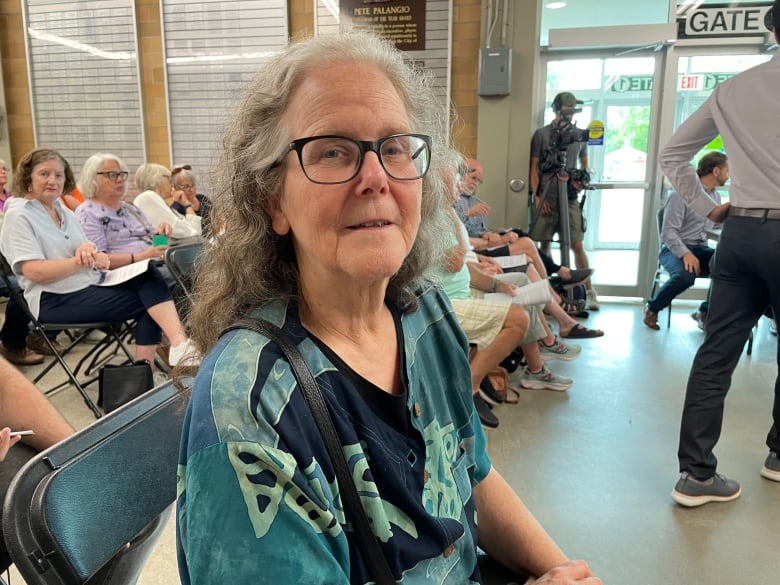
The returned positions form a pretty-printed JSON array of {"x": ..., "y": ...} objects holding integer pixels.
[
  {"x": 581, "y": 176},
  {"x": 562, "y": 137}
]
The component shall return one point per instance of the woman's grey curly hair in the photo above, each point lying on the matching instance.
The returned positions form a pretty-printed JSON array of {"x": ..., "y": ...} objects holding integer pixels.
[{"x": 249, "y": 264}]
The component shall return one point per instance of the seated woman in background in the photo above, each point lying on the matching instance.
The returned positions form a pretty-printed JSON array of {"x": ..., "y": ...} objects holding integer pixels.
[
  {"x": 186, "y": 198},
  {"x": 155, "y": 183},
  {"x": 59, "y": 269},
  {"x": 116, "y": 227}
]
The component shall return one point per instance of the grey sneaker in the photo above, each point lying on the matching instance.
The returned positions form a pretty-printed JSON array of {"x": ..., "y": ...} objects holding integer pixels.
[
  {"x": 700, "y": 318},
  {"x": 771, "y": 469},
  {"x": 690, "y": 492},
  {"x": 544, "y": 380},
  {"x": 559, "y": 350}
]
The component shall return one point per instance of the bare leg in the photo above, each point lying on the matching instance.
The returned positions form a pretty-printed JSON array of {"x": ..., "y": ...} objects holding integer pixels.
[
  {"x": 533, "y": 356},
  {"x": 164, "y": 314},
  {"x": 526, "y": 246},
  {"x": 581, "y": 260},
  {"x": 549, "y": 338},
  {"x": 565, "y": 321},
  {"x": 487, "y": 358}
]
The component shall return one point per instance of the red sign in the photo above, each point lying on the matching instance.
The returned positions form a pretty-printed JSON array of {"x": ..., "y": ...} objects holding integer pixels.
[{"x": 689, "y": 82}]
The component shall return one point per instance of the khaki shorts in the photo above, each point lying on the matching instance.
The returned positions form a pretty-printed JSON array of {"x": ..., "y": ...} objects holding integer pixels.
[
  {"x": 548, "y": 225},
  {"x": 482, "y": 320}
]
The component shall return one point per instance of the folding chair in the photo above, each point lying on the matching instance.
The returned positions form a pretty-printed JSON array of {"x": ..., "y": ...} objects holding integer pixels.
[
  {"x": 180, "y": 260},
  {"x": 661, "y": 275},
  {"x": 113, "y": 332},
  {"x": 88, "y": 510}
]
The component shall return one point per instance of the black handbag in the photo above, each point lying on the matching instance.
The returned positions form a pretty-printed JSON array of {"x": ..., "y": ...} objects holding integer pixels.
[
  {"x": 120, "y": 384},
  {"x": 494, "y": 574}
]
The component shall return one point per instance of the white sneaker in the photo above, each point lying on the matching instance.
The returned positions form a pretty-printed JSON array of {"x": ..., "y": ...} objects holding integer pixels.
[
  {"x": 592, "y": 301},
  {"x": 160, "y": 378},
  {"x": 184, "y": 354}
]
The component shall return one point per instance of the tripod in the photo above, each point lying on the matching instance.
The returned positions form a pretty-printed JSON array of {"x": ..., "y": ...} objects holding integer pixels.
[{"x": 564, "y": 225}]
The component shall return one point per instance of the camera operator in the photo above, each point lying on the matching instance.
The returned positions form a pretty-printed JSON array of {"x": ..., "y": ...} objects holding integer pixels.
[{"x": 549, "y": 145}]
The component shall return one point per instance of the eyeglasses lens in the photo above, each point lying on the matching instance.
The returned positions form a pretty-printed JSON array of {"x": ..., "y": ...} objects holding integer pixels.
[
  {"x": 333, "y": 160},
  {"x": 114, "y": 176}
]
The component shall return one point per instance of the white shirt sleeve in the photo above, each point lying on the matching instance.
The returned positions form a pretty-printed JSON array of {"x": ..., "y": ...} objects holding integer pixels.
[{"x": 157, "y": 212}]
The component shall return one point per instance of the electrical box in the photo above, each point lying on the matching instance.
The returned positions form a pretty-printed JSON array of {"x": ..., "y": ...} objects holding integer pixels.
[{"x": 495, "y": 71}]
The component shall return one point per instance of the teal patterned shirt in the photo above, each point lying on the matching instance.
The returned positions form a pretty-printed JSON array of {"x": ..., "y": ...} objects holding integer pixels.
[{"x": 258, "y": 501}]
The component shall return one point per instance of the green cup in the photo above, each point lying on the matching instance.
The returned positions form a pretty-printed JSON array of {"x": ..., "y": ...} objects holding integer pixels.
[{"x": 160, "y": 240}]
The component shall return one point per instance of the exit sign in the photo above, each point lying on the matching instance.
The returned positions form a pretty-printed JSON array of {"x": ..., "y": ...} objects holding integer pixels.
[
  {"x": 702, "y": 81},
  {"x": 687, "y": 82}
]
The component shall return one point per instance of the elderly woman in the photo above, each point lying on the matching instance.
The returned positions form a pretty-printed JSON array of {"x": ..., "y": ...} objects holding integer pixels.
[
  {"x": 60, "y": 270},
  {"x": 155, "y": 183},
  {"x": 334, "y": 202},
  {"x": 115, "y": 226},
  {"x": 186, "y": 198}
]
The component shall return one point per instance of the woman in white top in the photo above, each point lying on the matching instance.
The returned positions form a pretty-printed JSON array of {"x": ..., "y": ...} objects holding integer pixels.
[
  {"x": 60, "y": 270},
  {"x": 154, "y": 182}
]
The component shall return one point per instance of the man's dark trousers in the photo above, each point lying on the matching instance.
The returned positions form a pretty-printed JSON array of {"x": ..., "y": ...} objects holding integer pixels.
[{"x": 745, "y": 279}]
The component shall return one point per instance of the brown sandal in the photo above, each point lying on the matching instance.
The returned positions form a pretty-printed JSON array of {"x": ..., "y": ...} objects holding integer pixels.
[{"x": 580, "y": 332}]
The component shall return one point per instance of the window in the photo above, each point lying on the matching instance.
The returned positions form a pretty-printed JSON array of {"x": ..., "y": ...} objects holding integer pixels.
[
  {"x": 212, "y": 51},
  {"x": 84, "y": 76}
]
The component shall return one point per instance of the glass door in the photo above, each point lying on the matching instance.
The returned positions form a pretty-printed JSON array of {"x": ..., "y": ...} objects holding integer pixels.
[
  {"x": 618, "y": 91},
  {"x": 626, "y": 93},
  {"x": 698, "y": 73}
]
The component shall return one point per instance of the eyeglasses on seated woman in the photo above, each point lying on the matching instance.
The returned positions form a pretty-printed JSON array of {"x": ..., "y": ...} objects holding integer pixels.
[{"x": 154, "y": 182}]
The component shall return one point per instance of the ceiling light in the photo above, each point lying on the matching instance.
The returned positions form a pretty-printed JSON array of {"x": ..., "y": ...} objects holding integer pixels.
[{"x": 555, "y": 4}]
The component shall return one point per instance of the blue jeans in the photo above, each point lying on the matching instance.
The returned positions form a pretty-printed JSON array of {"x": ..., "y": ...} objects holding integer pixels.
[
  {"x": 680, "y": 279},
  {"x": 745, "y": 279}
]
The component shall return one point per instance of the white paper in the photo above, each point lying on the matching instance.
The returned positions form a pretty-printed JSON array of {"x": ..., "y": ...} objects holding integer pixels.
[
  {"x": 125, "y": 273},
  {"x": 536, "y": 293},
  {"x": 511, "y": 261}
]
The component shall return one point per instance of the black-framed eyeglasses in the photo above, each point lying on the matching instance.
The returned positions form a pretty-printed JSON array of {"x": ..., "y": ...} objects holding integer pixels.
[
  {"x": 177, "y": 170},
  {"x": 332, "y": 159},
  {"x": 114, "y": 175}
]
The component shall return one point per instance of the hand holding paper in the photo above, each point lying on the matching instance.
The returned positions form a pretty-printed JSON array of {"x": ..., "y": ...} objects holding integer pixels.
[{"x": 536, "y": 293}]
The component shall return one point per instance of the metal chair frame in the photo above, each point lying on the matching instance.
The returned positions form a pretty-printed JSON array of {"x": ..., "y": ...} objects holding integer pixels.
[{"x": 113, "y": 332}]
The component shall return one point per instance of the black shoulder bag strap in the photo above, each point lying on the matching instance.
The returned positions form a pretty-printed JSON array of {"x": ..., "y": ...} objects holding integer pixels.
[{"x": 372, "y": 553}]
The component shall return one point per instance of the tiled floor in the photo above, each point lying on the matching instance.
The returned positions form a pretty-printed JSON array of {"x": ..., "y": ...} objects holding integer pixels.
[{"x": 596, "y": 464}]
